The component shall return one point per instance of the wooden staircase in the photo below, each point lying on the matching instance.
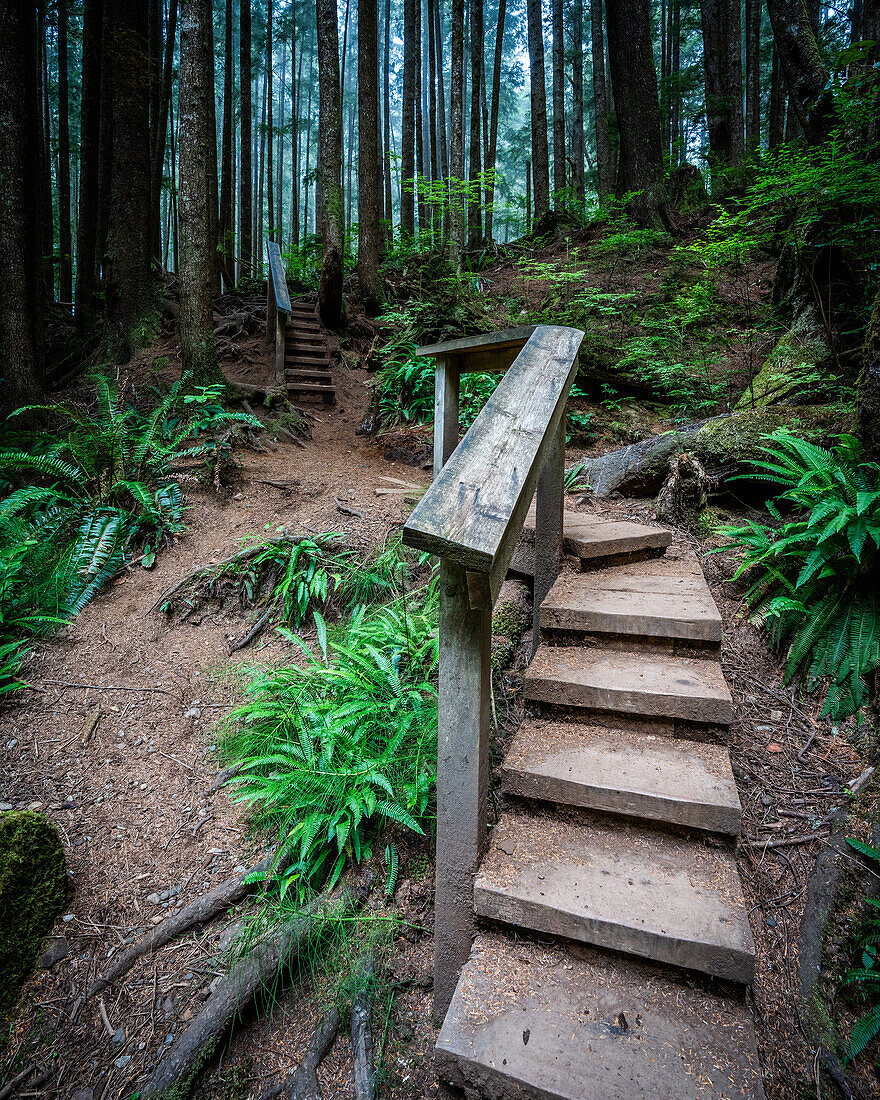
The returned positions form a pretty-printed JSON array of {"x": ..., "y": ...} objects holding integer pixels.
[
  {"x": 306, "y": 359},
  {"x": 614, "y": 949}
]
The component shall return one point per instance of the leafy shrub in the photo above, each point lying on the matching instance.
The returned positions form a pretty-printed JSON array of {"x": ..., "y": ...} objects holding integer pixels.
[
  {"x": 867, "y": 976},
  {"x": 814, "y": 573},
  {"x": 331, "y": 751}
]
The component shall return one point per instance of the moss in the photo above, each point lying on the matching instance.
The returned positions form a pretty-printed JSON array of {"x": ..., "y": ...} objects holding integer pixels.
[
  {"x": 33, "y": 887},
  {"x": 502, "y": 652},
  {"x": 512, "y": 614},
  {"x": 729, "y": 441}
]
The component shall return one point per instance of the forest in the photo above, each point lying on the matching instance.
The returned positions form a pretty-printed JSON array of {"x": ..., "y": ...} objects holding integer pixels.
[{"x": 439, "y": 549}]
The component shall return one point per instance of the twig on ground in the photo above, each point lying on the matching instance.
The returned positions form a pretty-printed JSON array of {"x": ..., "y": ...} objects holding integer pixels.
[
  {"x": 109, "y": 687},
  {"x": 199, "y": 911},
  {"x": 105, "y": 1019},
  {"x": 346, "y": 510},
  {"x": 258, "y": 627},
  {"x": 784, "y": 842}
]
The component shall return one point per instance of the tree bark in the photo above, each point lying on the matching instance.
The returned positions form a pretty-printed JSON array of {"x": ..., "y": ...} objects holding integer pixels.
[
  {"x": 540, "y": 154},
  {"x": 408, "y": 121},
  {"x": 227, "y": 191},
  {"x": 869, "y": 388},
  {"x": 577, "y": 100},
  {"x": 270, "y": 140},
  {"x": 776, "y": 118},
  {"x": 369, "y": 178},
  {"x": 245, "y": 178},
  {"x": 21, "y": 292},
  {"x": 197, "y": 244},
  {"x": 129, "y": 282},
  {"x": 805, "y": 75},
  {"x": 604, "y": 161},
  {"x": 456, "y": 131},
  {"x": 160, "y": 130},
  {"x": 65, "y": 258},
  {"x": 722, "y": 67},
  {"x": 493, "y": 120},
  {"x": 330, "y": 163},
  {"x": 89, "y": 146},
  {"x": 634, "y": 79},
  {"x": 475, "y": 220},
  {"x": 753, "y": 76},
  {"x": 386, "y": 120},
  {"x": 558, "y": 64}
]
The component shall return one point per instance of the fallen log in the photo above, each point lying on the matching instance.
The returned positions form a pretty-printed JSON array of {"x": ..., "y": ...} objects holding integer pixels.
[
  {"x": 236, "y": 990},
  {"x": 362, "y": 1036},
  {"x": 216, "y": 901}
]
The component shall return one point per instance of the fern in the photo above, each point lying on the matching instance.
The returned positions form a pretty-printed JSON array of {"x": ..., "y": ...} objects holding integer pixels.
[
  {"x": 866, "y": 976},
  {"x": 813, "y": 574}
]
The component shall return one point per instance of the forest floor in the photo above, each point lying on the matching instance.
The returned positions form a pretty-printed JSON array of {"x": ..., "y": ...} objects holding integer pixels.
[{"x": 146, "y": 832}]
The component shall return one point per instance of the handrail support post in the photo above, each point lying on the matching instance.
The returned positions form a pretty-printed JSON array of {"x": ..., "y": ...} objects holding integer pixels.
[
  {"x": 548, "y": 524},
  {"x": 462, "y": 775},
  {"x": 446, "y": 393}
]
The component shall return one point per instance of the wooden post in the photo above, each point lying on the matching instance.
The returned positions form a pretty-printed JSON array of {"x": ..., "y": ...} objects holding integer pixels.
[
  {"x": 446, "y": 388},
  {"x": 271, "y": 311},
  {"x": 280, "y": 337},
  {"x": 462, "y": 776},
  {"x": 548, "y": 522}
]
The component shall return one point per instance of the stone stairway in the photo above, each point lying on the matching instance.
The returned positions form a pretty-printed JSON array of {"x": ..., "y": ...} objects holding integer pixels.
[
  {"x": 306, "y": 359},
  {"x": 615, "y": 945}
]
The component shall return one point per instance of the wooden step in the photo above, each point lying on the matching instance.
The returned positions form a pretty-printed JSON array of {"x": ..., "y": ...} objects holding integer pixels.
[
  {"x": 594, "y": 541},
  {"x": 309, "y": 375},
  {"x": 647, "y": 683},
  {"x": 626, "y": 887},
  {"x": 306, "y": 360},
  {"x": 663, "y": 599},
  {"x": 533, "y": 1023},
  {"x": 638, "y": 774}
]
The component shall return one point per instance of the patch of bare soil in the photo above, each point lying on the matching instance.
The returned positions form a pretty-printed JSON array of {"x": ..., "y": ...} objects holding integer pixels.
[{"x": 114, "y": 740}]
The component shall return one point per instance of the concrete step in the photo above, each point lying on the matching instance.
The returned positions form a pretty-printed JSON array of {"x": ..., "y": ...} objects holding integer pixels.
[
  {"x": 532, "y": 1023},
  {"x": 594, "y": 541},
  {"x": 620, "y": 886},
  {"x": 624, "y": 772},
  {"x": 667, "y": 598},
  {"x": 646, "y": 683}
]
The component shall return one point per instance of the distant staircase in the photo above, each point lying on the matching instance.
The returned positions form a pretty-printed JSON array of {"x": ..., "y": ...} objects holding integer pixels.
[
  {"x": 306, "y": 358},
  {"x": 615, "y": 947}
]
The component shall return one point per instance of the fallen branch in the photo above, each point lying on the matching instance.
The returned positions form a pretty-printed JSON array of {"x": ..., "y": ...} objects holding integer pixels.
[
  {"x": 107, "y": 687},
  {"x": 344, "y": 508},
  {"x": 11, "y": 1087},
  {"x": 362, "y": 1037},
  {"x": 237, "y": 989},
  {"x": 199, "y": 911},
  {"x": 303, "y": 1083},
  {"x": 785, "y": 842},
  {"x": 258, "y": 627}
]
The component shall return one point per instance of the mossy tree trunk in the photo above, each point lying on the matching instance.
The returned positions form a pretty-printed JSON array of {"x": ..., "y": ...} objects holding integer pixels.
[
  {"x": 869, "y": 389},
  {"x": 197, "y": 150},
  {"x": 330, "y": 164}
]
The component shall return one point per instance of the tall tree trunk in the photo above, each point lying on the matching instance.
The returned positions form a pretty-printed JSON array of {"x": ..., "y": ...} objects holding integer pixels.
[
  {"x": 197, "y": 149},
  {"x": 159, "y": 132},
  {"x": 776, "y": 118},
  {"x": 753, "y": 76},
  {"x": 408, "y": 120},
  {"x": 419, "y": 120},
  {"x": 540, "y": 154},
  {"x": 432, "y": 102},
  {"x": 493, "y": 121},
  {"x": 227, "y": 191},
  {"x": 22, "y": 301},
  {"x": 441, "y": 90},
  {"x": 330, "y": 163},
  {"x": 65, "y": 248},
  {"x": 295, "y": 138},
  {"x": 175, "y": 229},
  {"x": 722, "y": 66},
  {"x": 677, "y": 144},
  {"x": 259, "y": 209},
  {"x": 89, "y": 148},
  {"x": 130, "y": 290},
  {"x": 577, "y": 100},
  {"x": 456, "y": 128},
  {"x": 270, "y": 139},
  {"x": 154, "y": 39},
  {"x": 558, "y": 64},
  {"x": 805, "y": 75},
  {"x": 279, "y": 158},
  {"x": 308, "y": 159},
  {"x": 634, "y": 79},
  {"x": 369, "y": 179},
  {"x": 604, "y": 161},
  {"x": 245, "y": 179},
  {"x": 386, "y": 119},
  {"x": 475, "y": 221},
  {"x": 44, "y": 189}
]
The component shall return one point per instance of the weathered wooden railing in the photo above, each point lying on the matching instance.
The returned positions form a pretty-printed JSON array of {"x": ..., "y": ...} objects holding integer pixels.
[
  {"x": 277, "y": 307},
  {"x": 472, "y": 517}
]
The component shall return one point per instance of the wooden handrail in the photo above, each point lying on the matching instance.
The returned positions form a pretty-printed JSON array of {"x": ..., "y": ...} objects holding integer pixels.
[
  {"x": 474, "y": 511},
  {"x": 277, "y": 306},
  {"x": 472, "y": 517}
]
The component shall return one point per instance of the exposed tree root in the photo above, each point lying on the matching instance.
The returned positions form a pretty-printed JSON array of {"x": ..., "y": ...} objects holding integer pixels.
[
  {"x": 202, "y": 909},
  {"x": 303, "y": 1084},
  {"x": 362, "y": 1036},
  {"x": 237, "y": 989}
]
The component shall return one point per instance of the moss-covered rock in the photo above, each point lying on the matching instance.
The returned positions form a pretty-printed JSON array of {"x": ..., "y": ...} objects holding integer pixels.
[
  {"x": 797, "y": 365},
  {"x": 33, "y": 888},
  {"x": 729, "y": 441},
  {"x": 513, "y": 611}
]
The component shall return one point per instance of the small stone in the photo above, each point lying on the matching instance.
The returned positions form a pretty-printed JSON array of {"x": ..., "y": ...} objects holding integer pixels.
[
  {"x": 118, "y": 1036},
  {"x": 67, "y": 917},
  {"x": 766, "y": 800},
  {"x": 5, "y": 806},
  {"x": 11, "y": 744},
  {"x": 193, "y": 713},
  {"x": 122, "y": 1061},
  {"x": 154, "y": 899},
  {"x": 56, "y": 949},
  {"x": 159, "y": 917},
  {"x": 169, "y": 1039},
  {"x": 165, "y": 895},
  {"x": 34, "y": 806}
]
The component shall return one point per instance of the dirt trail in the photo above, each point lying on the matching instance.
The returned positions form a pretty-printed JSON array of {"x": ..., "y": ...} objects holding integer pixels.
[{"x": 143, "y": 831}]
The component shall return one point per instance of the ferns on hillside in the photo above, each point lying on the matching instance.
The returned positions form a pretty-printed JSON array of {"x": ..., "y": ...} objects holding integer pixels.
[{"x": 815, "y": 574}]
